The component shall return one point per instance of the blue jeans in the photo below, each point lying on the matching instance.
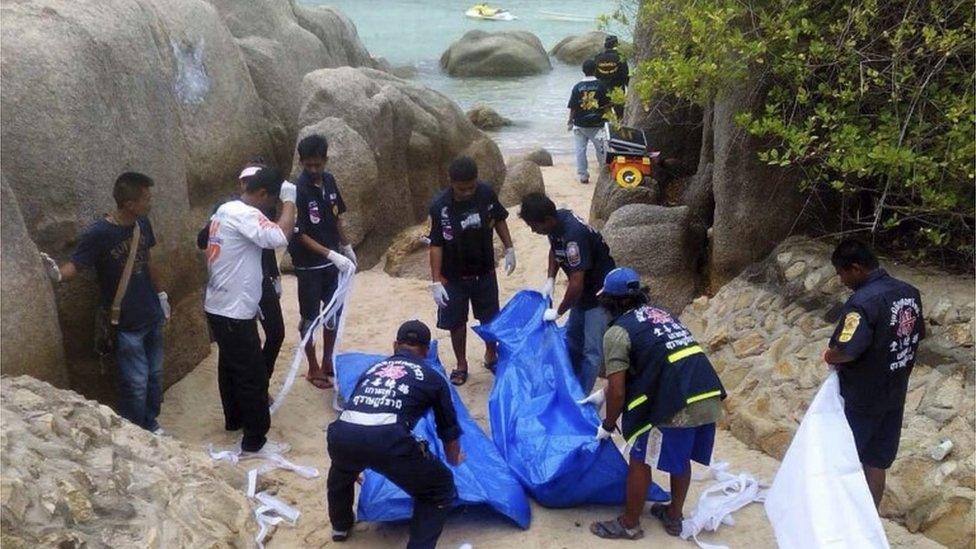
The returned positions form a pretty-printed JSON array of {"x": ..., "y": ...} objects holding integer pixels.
[
  {"x": 139, "y": 359},
  {"x": 584, "y": 339},
  {"x": 581, "y": 137}
]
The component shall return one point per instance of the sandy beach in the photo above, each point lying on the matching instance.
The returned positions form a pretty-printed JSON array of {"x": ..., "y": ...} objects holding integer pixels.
[{"x": 192, "y": 414}]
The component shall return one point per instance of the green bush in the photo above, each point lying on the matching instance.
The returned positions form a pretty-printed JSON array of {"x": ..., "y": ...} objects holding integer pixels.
[{"x": 871, "y": 99}]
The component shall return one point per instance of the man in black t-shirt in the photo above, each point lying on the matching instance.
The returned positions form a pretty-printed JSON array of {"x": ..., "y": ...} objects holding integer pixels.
[
  {"x": 462, "y": 258},
  {"x": 138, "y": 343},
  {"x": 612, "y": 70},
  {"x": 587, "y": 106}
]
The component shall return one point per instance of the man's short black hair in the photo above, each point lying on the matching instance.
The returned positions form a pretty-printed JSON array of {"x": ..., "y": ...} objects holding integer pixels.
[
  {"x": 851, "y": 251},
  {"x": 269, "y": 179},
  {"x": 536, "y": 207},
  {"x": 313, "y": 146},
  {"x": 610, "y": 42},
  {"x": 589, "y": 67},
  {"x": 463, "y": 168},
  {"x": 129, "y": 186}
]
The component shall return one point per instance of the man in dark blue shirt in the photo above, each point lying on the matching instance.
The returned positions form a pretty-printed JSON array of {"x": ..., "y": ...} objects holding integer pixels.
[
  {"x": 874, "y": 348},
  {"x": 587, "y": 105},
  {"x": 374, "y": 432},
  {"x": 612, "y": 70},
  {"x": 319, "y": 250},
  {"x": 463, "y": 219},
  {"x": 579, "y": 250},
  {"x": 138, "y": 344}
]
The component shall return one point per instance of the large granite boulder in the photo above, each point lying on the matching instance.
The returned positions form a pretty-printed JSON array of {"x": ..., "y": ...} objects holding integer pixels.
[
  {"x": 390, "y": 142},
  {"x": 523, "y": 178},
  {"x": 663, "y": 245},
  {"x": 77, "y": 475},
  {"x": 608, "y": 196},
  {"x": 576, "y": 48},
  {"x": 539, "y": 156},
  {"x": 504, "y": 53},
  {"x": 486, "y": 118}
]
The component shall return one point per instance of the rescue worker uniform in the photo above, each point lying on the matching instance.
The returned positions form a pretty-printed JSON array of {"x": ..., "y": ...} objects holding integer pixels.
[
  {"x": 880, "y": 329},
  {"x": 612, "y": 70},
  {"x": 669, "y": 384},
  {"x": 465, "y": 232},
  {"x": 374, "y": 432},
  {"x": 579, "y": 247}
]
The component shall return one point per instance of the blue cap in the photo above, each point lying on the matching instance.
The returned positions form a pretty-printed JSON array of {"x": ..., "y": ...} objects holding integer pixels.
[{"x": 620, "y": 282}]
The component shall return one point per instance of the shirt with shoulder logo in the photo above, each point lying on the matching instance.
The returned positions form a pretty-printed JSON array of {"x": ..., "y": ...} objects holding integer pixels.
[
  {"x": 880, "y": 328},
  {"x": 589, "y": 101},
  {"x": 579, "y": 247},
  {"x": 465, "y": 231},
  {"x": 318, "y": 209}
]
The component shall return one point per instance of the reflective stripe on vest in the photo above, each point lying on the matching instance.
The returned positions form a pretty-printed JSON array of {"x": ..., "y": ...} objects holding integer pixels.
[
  {"x": 367, "y": 419},
  {"x": 686, "y": 352},
  {"x": 639, "y": 432},
  {"x": 636, "y": 402},
  {"x": 703, "y": 396}
]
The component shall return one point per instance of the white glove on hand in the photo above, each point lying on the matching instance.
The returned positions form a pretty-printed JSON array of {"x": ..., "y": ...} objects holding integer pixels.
[
  {"x": 548, "y": 287},
  {"x": 341, "y": 262},
  {"x": 596, "y": 398},
  {"x": 164, "y": 303},
  {"x": 601, "y": 433},
  {"x": 350, "y": 253},
  {"x": 440, "y": 294},
  {"x": 509, "y": 260},
  {"x": 51, "y": 266},
  {"x": 550, "y": 315},
  {"x": 287, "y": 193}
]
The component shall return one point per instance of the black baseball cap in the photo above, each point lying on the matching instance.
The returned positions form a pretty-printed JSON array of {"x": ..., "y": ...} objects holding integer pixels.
[{"x": 413, "y": 332}]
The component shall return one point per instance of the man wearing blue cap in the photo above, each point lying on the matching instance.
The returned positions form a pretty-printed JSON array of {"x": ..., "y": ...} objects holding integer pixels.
[{"x": 657, "y": 376}]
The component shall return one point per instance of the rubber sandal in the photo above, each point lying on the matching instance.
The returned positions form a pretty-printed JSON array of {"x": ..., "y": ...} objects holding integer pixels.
[
  {"x": 459, "y": 377},
  {"x": 671, "y": 526},
  {"x": 320, "y": 382},
  {"x": 612, "y": 529}
]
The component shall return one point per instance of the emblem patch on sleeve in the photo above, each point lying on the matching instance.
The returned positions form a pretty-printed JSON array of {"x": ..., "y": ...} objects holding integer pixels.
[
  {"x": 851, "y": 322},
  {"x": 572, "y": 254}
]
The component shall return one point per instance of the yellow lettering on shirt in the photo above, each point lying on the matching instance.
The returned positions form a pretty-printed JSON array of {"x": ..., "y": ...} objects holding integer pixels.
[{"x": 851, "y": 322}]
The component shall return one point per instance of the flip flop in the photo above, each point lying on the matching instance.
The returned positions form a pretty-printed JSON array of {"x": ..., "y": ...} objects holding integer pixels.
[
  {"x": 612, "y": 529},
  {"x": 459, "y": 377},
  {"x": 671, "y": 526},
  {"x": 320, "y": 382}
]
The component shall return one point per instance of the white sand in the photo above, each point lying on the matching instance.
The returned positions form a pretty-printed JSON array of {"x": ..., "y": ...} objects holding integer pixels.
[{"x": 192, "y": 413}]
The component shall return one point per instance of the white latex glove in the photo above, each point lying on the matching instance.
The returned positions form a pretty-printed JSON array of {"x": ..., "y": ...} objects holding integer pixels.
[
  {"x": 287, "y": 193},
  {"x": 440, "y": 294},
  {"x": 350, "y": 253},
  {"x": 602, "y": 433},
  {"x": 548, "y": 287},
  {"x": 550, "y": 315},
  {"x": 596, "y": 398},
  {"x": 277, "y": 286},
  {"x": 509, "y": 260},
  {"x": 343, "y": 263},
  {"x": 164, "y": 303},
  {"x": 51, "y": 266}
]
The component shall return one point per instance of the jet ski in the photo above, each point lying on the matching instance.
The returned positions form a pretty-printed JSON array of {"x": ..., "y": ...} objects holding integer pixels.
[{"x": 484, "y": 11}]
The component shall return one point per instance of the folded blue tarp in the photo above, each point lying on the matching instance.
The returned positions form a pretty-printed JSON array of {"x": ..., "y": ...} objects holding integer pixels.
[
  {"x": 482, "y": 478},
  {"x": 546, "y": 438}
]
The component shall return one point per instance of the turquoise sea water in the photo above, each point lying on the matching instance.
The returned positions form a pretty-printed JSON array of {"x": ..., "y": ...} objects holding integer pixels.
[{"x": 416, "y": 32}]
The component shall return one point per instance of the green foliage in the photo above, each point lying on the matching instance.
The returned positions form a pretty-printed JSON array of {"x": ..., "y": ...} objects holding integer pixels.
[{"x": 872, "y": 99}]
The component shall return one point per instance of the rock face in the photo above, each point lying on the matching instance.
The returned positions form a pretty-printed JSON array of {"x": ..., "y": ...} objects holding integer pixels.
[
  {"x": 608, "y": 197},
  {"x": 764, "y": 332},
  {"x": 486, "y": 118},
  {"x": 539, "y": 156},
  {"x": 175, "y": 89},
  {"x": 576, "y": 48},
  {"x": 505, "y": 53},
  {"x": 523, "y": 178},
  {"x": 368, "y": 116},
  {"x": 75, "y": 474},
  {"x": 662, "y": 245}
]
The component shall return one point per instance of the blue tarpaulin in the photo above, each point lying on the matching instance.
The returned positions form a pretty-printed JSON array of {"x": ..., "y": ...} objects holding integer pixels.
[
  {"x": 544, "y": 436},
  {"x": 482, "y": 478}
]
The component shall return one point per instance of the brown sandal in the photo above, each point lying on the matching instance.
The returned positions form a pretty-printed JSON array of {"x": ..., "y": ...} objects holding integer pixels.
[{"x": 320, "y": 382}]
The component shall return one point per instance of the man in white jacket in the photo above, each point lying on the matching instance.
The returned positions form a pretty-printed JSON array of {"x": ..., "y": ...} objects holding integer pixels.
[{"x": 238, "y": 234}]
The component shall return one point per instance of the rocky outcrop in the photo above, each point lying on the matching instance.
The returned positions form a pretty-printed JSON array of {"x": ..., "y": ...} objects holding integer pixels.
[
  {"x": 185, "y": 91},
  {"x": 764, "y": 332},
  {"x": 576, "y": 48},
  {"x": 77, "y": 475},
  {"x": 486, "y": 118},
  {"x": 523, "y": 178},
  {"x": 368, "y": 116},
  {"x": 663, "y": 245},
  {"x": 608, "y": 197},
  {"x": 539, "y": 156},
  {"x": 505, "y": 53}
]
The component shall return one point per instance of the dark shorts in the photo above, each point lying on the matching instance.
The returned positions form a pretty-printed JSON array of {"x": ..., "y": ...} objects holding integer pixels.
[
  {"x": 876, "y": 435},
  {"x": 315, "y": 290},
  {"x": 481, "y": 292},
  {"x": 673, "y": 448}
]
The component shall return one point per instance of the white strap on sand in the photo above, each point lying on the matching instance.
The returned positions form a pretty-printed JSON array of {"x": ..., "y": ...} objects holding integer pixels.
[
  {"x": 717, "y": 502},
  {"x": 327, "y": 315}
]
